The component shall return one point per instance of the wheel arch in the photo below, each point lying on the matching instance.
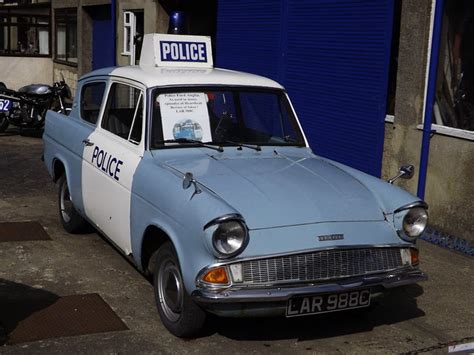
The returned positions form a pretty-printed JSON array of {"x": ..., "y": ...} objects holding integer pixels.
[
  {"x": 61, "y": 166},
  {"x": 58, "y": 169},
  {"x": 153, "y": 238}
]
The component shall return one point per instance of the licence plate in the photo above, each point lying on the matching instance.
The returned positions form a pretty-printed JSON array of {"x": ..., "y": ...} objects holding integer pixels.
[
  {"x": 306, "y": 305},
  {"x": 5, "y": 105}
]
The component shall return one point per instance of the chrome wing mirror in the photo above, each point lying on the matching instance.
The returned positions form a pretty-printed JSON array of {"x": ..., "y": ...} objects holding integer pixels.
[
  {"x": 189, "y": 180},
  {"x": 405, "y": 172}
]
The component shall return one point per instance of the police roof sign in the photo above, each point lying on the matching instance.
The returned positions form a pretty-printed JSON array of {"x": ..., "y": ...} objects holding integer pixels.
[
  {"x": 162, "y": 50},
  {"x": 183, "y": 51}
]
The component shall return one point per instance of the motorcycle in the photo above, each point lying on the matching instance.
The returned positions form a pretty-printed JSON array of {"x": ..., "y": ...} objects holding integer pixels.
[{"x": 27, "y": 107}]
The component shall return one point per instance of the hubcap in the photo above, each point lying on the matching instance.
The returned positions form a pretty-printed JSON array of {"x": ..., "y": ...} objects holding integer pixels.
[
  {"x": 66, "y": 203},
  {"x": 170, "y": 290}
]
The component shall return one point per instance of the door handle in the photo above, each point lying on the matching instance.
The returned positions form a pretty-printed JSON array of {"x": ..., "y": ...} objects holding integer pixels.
[{"x": 87, "y": 142}]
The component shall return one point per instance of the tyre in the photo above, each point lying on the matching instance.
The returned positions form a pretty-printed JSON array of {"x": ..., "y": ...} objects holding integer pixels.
[
  {"x": 3, "y": 122},
  {"x": 179, "y": 314},
  {"x": 71, "y": 220}
]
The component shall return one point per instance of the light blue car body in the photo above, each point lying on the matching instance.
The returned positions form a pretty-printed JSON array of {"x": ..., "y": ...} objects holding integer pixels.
[{"x": 287, "y": 196}]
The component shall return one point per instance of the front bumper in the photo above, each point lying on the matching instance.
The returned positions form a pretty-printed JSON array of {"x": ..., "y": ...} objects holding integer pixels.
[{"x": 268, "y": 301}]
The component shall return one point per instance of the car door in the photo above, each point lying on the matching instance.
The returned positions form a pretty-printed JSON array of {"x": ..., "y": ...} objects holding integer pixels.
[
  {"x": 80, "y": 124},
  {"x": 116, "y": 148}
]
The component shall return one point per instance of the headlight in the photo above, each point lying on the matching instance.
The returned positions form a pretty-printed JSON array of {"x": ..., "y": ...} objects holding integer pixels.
[
  {"x": 230, "y": 238},
  {"x": 415, "y": 221}
]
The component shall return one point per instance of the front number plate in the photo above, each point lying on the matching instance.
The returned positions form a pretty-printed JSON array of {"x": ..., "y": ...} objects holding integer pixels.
[{"x": 301, "y": 306}]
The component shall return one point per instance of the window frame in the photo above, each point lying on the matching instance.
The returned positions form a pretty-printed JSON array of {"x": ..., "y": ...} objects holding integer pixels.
[
  {"x": 28, "y": 11},
  {"x": 142, "y": 95},
  {"x": 393, "y": 63},
  {"x": 158, "y": 90},
  {"x": 128, "y": 23},
  {"x": 131, "y": 19},
  {"x": 436, "y": 128},
  {"x": 101, "y": 107},
  {"x": 65, "y": 13}
]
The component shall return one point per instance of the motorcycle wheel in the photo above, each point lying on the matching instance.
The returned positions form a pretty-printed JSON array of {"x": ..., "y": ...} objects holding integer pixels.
[{"x": 3, "y": 122}]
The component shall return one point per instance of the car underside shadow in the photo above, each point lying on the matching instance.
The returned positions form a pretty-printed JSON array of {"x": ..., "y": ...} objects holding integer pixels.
[
  {"x": 398, "y": 306},
  {"x": 26, "y": 132},
  {"x": 10, "y": 132},
  {"x": 18, "y": 302},
  {"x": 32, "y": 132}
]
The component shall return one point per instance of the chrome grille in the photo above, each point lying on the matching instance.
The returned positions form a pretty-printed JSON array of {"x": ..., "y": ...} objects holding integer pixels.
[{"x": 321, "y": 265}]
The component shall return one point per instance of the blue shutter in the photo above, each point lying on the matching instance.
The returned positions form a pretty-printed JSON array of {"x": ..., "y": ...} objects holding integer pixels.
[
  {"x": 333, "y": 58},
  {"x": 248, "y": 36}
]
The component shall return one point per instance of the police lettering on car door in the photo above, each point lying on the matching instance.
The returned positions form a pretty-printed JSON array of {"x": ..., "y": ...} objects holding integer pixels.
[{"x": 106, "y": 162}]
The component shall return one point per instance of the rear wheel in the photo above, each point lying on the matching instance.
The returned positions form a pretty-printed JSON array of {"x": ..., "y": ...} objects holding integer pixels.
[
  {"x": 71, "y": 220},
  {"x": 3, "y": 122},
  {"x": 179, "y": 314}
]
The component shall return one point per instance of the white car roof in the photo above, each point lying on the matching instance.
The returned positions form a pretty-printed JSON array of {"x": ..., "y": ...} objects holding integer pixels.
[{"x": 160, "y": 76}]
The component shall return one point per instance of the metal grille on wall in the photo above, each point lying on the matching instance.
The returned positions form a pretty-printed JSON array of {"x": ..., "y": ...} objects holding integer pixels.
[{"x": 333, "y": 58}]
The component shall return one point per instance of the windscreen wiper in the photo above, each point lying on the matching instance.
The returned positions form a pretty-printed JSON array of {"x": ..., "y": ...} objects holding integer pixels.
[
  {"x": 193, "y": 141},
  {"x": 240, "y": 145}
]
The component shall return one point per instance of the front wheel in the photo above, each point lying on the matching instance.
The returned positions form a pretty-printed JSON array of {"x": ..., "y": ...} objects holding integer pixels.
[
  {"x": 179, "y": 314},
  {"x": 3, "y": 122},
  {"x": 71, "y": 220}
]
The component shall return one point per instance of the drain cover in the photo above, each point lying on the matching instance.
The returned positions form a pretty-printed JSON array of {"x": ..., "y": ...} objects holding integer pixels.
[
  {"x": 22, "y": 231},
  {"x": 68, "y": 316}
]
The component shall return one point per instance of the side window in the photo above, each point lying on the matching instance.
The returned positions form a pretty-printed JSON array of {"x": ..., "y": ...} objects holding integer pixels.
[
  {"x": 123, "y": 114},
  {"x": 91, "y": 99}
]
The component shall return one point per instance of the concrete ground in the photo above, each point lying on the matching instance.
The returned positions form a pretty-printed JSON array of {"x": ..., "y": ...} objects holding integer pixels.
[{"x": 421, "y": 318}]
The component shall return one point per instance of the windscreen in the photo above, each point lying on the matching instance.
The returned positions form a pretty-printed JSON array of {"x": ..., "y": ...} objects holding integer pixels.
[{"x": 223, "y": 116}]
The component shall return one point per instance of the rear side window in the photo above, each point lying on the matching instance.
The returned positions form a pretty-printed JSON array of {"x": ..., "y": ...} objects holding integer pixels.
[
  {"x": 91, "y": 100},
  {"x": 123, "y": 114}
]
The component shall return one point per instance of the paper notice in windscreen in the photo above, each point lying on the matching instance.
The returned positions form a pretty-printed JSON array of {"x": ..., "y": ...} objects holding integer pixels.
[{"x": 185, "y": 115}]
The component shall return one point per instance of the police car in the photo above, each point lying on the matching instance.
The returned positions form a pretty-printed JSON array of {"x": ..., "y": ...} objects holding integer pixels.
[{"x": 204, "y": 178}]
